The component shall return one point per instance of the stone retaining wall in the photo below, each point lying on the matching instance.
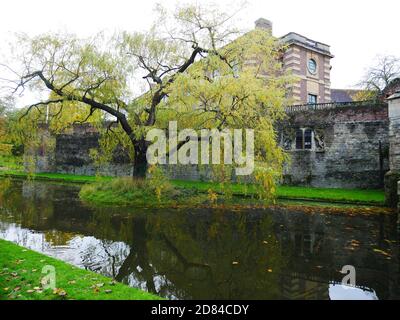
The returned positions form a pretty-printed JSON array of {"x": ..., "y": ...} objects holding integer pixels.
[{"x": 354, "y": 152}]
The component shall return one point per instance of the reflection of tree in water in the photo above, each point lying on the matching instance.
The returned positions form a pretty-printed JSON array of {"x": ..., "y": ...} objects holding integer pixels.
[
  {"x": 30, "y": 202},
  {"x": 207, "y": 254},
  {"x": 208, "y": 251},
  {"x": 102, "y": 256},
  {"x": 137, "y": 261}
]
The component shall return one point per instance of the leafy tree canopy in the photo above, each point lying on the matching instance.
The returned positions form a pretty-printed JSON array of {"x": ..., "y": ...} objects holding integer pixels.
[{"x": 191, "y": 66}]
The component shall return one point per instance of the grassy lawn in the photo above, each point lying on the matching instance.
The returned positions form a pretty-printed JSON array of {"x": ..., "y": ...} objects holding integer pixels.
[
  {"x": 10, "y": 162},
  {"x": 356, "y": 196},
  {"x": 21, "y": 274},
  {"x": 53, "y": 176},
  {"x": 292, "y": 192}
]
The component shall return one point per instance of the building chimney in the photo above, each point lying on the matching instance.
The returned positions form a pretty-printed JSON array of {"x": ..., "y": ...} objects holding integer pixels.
[{"x": 264, "y": 24}]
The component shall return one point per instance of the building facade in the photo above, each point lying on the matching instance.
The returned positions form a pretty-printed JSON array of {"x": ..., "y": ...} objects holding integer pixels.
[
  {"x": 309, "y": 61},
  {"x": 338, "y": 144}
]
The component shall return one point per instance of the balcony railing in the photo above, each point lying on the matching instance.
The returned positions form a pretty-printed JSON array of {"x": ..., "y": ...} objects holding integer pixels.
[{"x": 331, "y": 105}]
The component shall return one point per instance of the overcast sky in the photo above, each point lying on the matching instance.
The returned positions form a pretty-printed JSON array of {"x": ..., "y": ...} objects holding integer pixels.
[{"x": 357, "y": 31}]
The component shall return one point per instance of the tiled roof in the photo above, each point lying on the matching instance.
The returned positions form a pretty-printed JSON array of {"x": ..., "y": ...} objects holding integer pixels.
[{"x": 343, "y": 95}]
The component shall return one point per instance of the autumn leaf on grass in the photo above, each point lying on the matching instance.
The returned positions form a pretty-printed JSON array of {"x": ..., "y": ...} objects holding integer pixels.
[{"x": 60, "y": 292}]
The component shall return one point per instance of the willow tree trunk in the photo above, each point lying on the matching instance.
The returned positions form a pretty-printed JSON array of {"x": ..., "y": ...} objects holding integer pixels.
[{"x": 140, "y": 161}]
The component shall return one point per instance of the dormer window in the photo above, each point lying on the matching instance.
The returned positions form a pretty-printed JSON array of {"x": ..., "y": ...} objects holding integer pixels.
[{"x": 312, "y": 66}]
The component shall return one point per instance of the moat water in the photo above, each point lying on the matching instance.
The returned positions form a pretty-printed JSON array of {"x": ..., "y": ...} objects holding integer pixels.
[{"x": 283, "y": 252}]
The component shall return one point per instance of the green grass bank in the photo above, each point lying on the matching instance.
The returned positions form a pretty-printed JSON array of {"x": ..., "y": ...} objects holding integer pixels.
[
  {"x": 21, "y": 275},
  {"x": 346, "y": 196}
]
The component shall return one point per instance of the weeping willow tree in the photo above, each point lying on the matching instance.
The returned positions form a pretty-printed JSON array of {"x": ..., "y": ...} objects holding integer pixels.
[
  {"x": 5, "y": 112},
  {"x": 191, "y": 67},
  {"x": 2, "y": 119}
]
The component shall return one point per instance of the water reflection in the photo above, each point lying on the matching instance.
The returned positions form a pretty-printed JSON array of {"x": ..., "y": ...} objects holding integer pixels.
[
  {"x": 279, "y": 253},
  {"x": 343, "y": 292}
]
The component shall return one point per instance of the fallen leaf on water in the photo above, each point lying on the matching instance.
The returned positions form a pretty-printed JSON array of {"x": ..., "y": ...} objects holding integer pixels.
[{"x": 382, "y": 252}]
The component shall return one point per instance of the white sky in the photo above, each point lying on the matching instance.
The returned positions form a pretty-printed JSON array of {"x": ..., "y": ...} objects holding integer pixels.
[{"x": 356, "y": 30}]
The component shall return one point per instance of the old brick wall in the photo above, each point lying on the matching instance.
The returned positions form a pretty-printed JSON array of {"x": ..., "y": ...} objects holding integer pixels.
[
  {"x": 355, "y": 153},
  {"x": 395, "y": 144},
  {"x": 392, "y": 178},
  {"x": 72, "y": 154}
]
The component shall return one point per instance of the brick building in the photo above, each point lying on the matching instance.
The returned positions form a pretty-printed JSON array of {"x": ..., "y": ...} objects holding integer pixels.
[{"x": 309, "y": 61}]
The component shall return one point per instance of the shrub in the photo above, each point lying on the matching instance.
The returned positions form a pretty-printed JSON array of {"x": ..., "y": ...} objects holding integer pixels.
[
  {"x": 17, "y": 150},
  {"x": 135, "y": 191},
  {"x": 5, "y": 149}
]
